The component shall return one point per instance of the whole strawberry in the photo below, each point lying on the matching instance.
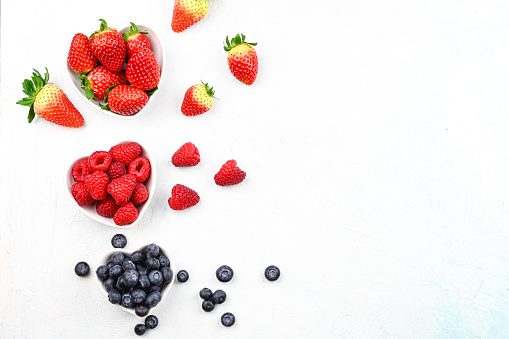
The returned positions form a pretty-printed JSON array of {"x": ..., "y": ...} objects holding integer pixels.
[
  {"x": 49, "y": 102},
  {"x": 125, "y": 153},
  {"x": 242, "y": 59},
  {"x": 187, "y": 13},
  {"x": 182, "y": 197},
  {"x": 135, "y": 39},
  {"x": 126, "y": 100},
  {"x": 142, "y": 69},
  {"x": 80, "y": 57},
  {"x": 197, "y": 100},
  {"x": 99, "y": 80},
  {"x": 187, "y": 155},
  {"x": 108, "y": 46},
  {"x": 229, "y": 174}
]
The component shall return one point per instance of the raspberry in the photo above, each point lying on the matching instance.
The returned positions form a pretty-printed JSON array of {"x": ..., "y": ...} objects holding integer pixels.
[
  {"x": 116, "y": 170},
  {"x": 100, "y": 161},
  {"x": 126, "y": 214},
  {"x": 122, "y": 188},
  {"x": 106, "y": 207},
  {"x": 187, "y": 155},
  {"x": 229, "y": 174},
  {"x": 182, "y": 197},
  {"x": 140, "y": 194},
  {"x": 80, "y": 170},
  {"x": 81, "y": 195},
  {"x": 140, "y": 168},
  {"x": 125, "y": 153},
  {"x": 96, "y": 184}
]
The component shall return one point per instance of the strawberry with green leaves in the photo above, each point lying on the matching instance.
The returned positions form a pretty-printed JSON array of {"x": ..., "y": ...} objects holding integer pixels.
[
  {"x": 80, "y": 58},
  {"x": 109, "y": 47},
  {"x": 187, "y": 13},
  {"x": 242, "y": 59},
  {"x": 135, "y": 38},
  {"x": 49, "y": 102},
  {"x": 125, "y": 100},
  {"x": 99, "y": 80},
  {"x": 198, "y": 99},
  {"x": 142, "y": 69}
]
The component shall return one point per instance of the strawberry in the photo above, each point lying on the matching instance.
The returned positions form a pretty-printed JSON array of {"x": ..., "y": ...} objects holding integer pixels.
[
  {"x": 187, "y": 155},
  {"x": 140, "y": 194},
  {"x": 197, "y": 100},
  {"x": 126, "y": 214},
  {"x": 116, "y": 170},
  {"x": 142, "y": 69},
  {"x": 187, "y": 13},
  {"x": 182, "y": 197},
  {"x": 125, "y": 100},
  {"x": 125, "y": 153},
  {"x": 97, "y": 183},
  {"x": 242, "y": 59},
  {"x": 135, "y": 39},
  {"x": 81, "y": 195},
  {"x": 99, "y": 80},
  {"x": 80, "y": 170},
  {"x": 80, "y": 58},
  {"x": 49, "y": 102},
  {"x": 108, "y": 46},
  {"x": 100, "y": 161},
  {"x": 122, "y": 188},
  {"x": 140, "y": 168},
  {"x": 107, "y": 207},
  {"x": 229, "y": 174}
]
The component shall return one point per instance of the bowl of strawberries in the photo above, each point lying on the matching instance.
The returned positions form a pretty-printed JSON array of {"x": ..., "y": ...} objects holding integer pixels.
[
  {"x": 113, "y": 187},
  {"x": 117, "y": 71}
]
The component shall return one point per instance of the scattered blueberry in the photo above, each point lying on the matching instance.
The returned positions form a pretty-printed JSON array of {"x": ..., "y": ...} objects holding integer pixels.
[
  {"x": 155, "y": 277},
  {"x": 114, "y": 297},
  {"x": 272, "y": 273},
  {"x": 139, "y": 295},
  {"x": 207, "y": 305},
  {"x": 167, "y": 274},
  {"x": 182, "y": 276},
  {"x": 82, "y": 269},
  {"x": 119, "y": 241},
  {"x": 164, "y": 261},
  {"x": 141, "y": 310},
  {"x": 116, "y": 271},
  {"x": 117, "y": 258},
  {"x": 153, "y": 299},
  {"x": 206, "y": 293},
  {"x": 152, "y": 264},
  {"x": 102, "y": 272},
  {"x": 127, "y": 300},
  {"x": 218, "y": 297},
  {"x": 130, "y": 278},
  {"x": 224, "y": 273},
  {"x": 151, "y": 321},
  {"x": 228, "y": 319},
  {"x": 153, "y": 250},
  {"x": 140, "y": 329},
  {"x": 128, "y": 265}
]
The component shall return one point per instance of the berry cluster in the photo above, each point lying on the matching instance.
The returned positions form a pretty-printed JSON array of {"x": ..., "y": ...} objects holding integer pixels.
[
  {"x": 151, "y": 322},
  {"x": 115, "y": 181}
]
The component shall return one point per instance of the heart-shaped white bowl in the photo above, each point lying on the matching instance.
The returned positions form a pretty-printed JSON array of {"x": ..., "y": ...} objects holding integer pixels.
[
  {"x": 90, "y": 210},
  {"x": 106, "y": 258},
  {"x": 159, "y": 52}
]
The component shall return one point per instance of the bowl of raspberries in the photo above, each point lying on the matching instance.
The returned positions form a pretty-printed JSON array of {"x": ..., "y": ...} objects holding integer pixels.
[
  {"x": 113, "y": 187},
  {"x": 117, "y": 71}
]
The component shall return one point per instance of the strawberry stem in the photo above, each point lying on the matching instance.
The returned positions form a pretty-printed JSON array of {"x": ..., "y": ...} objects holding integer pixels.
[
  {"x": 210, "y": 90},
  {"x": 239, "y": 39},
  {"x": 132, "y": 31},
  {"x": 102, "y": 28},
  {"x": 31, "y": 88}
]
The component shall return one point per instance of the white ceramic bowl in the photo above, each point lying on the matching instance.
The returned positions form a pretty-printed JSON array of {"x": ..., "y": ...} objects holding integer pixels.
[
  {"x": 106, "y": 258},
  {"x": 90, "y": 210},
  {"x": 159, "y": 52}
]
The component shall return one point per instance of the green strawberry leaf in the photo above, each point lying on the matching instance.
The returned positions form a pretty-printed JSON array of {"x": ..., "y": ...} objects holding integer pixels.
[
  {"x": 26, "y": 101},
  {"x": 31, "y": 114},
  {"x": 89, "y": 93},
  {"x": 152, "y": 91},
  {"x": 105, "y": 107}
]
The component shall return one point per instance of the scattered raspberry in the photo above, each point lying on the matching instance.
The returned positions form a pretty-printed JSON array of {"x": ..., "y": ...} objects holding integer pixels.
[
  {"x": 182, "y": 197},
  {"x": 106, "y": 207},
  {"x": 116, "y": 170},
  {"x": 140, "y": 168},
  {"x": 187, "y": 155},
  {"x": 125, "y": 153},
  {"x": 100, "y": 161},
  {"x": 80, "y": 170},
  {"x": 81, "y": 195},
  {"x": 140, "y": 194},
  {"x": 122, "y": 188},
  {"x": 96, "y": 184},
  {"x": 126, "y": 214},
  {"x": 229, "y": 174}
]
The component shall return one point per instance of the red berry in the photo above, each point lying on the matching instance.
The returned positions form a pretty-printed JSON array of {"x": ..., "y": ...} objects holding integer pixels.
[
  {"x": 229, "y": 174},
  {"x": 187, "y": 155},
  {"x": 125, "y": 153},
  {"x": 182, "y": 197},
  {"x": 126, "y": 214},
  {"x": 100, "y": 161},
  {"x": 122, "y": 188},
  {"x": 80, "y": 170},
  {"x": 140, "y": 194},
  {"x": 126, "y": 100},
  {"x": 109, "y": 48},
  {"x": 142, "y": 69},
  {"x": 135, "y": 39},
  {"x": 80, "y": 57},
  {"x": 81, "y": 195},
  {"x": 140, "y": 168},
  {"x": 116, "y": 170},
  {"x": 106, "y": 207},
  {"x": 96, "y": 184}
]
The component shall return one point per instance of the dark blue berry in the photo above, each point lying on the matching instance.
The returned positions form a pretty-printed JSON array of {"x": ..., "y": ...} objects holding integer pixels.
[
  {"x": 128, "y": 265},
  {"x": 164, "y": 261},
  {"x": 109, "y": 284},
  {"x": 218, "y": 297},
  {"x": 130, "y": 278},
  {"x": 153, "y": 299},
  {"x": 182, "y": 276},
  {"x": 206, "y": 293},
  {"x": 102, "y": 272},
  {"x": 140, "y": 329},
  {"x": 228, "y": 319},
  {"x": 82, "y": 269},
  {"x": 127, "y": 300},
  {"x": 142, "y": 270},
  {"x": 119, "y": 241},
  {"x": 152, "y": 264},
  {"x": 137, "y": 257},
  {"x": 116, "y": 271},
  {"x": 207, "y": 305},
  {"x": 272, "y": 273},
  {"x": 167, "y": 274},
  {"x": 155, "y": 277},
  {"x": 153, "y": 250},
  {"x": 139, "y": 296},
  {"x": 151, "y": 321},
  {"x": 143, "y": 280},
  {"x": 120, "y": 285},
  {"x": 154, "y": 288},
  {"x": 114, "y": 296},
  {"x": 224, "y": 273},
  {"x": 117, "y": 258},
  {"x": 141, "y": 310}
]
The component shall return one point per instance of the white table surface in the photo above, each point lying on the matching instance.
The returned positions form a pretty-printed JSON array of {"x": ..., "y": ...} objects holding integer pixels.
[{"x": 375, "y": 142}]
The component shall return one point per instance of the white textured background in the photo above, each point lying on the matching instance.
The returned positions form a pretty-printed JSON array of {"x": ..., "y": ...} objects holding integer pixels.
[{"x": 375, "y": 142}]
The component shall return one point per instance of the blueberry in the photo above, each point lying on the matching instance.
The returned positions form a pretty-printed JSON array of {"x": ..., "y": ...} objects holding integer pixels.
[
  {"x": 182, "y": 276},
  {"x": 127, "y": 300},
  {"x": 140, "y": 329},
  {"x": 114, "y": 296},
  {"x": 139, "y": 296},
  {"x": 152, "y": 264},
  {"x": 137, "y": 257},
  {"x": 128, "y": 265},
  {"x": 102, "y": 272},
  {"x": 164, "y": 261},
  {"x": 155, "y": 277},
  {"x": 130, "y": 278},
  {"x": 228, "y": 319},
  {"x": 272, "y": 273},
  {"x": 82, "y": 269},
  {"x": 119, "y": 241},
  {"x": 167, "y": 274},
  {"x": 142, "y": 270},
  {"x": 218, "y": 297},
  {"x": 116, "y": 271},
  {"x": 151, "y": 321},
  {"x": 206, "y": 293},
  {"x": 109, "y": 284},
  {"x": 117, "y": 258},
  {"x": 224, "y": 273},
  {"x": 143, "y": 280},
  {"x": 154, "y": 288},
  {"x": 153, "y": 299},
  {"x": 207, "y": 305},
  {"x": 120, "y": 285},
  {"x": 153, "y": 250},
  {"x": 141, "y": 310}
]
